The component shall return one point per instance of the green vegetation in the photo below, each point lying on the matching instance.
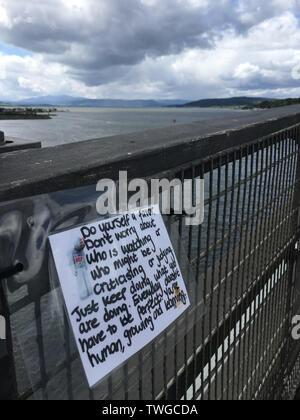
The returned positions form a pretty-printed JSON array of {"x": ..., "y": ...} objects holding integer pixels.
[
  {"x": 243, "y": 102},
  {"x": 25, "y": 113},
  {"x": 275, "y": 103},
  {"x": 223, "y": 102}
]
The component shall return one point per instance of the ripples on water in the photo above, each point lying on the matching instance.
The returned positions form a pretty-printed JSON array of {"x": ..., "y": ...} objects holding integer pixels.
[{"x": 78, "y": 124}]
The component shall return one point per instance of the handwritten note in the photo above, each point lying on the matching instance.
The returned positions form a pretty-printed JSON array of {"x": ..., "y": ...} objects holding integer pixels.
[{"x": 122, "y": 287}]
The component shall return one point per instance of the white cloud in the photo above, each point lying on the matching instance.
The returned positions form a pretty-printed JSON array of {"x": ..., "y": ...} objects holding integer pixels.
[
  {"x": 4, "y": 19},
  {"x": 150, "y": 48},
  {"x": 246, "y": 70}
]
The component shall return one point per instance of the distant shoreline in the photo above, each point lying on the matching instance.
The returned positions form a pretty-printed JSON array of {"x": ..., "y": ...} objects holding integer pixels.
[
  {"x": 26, "y": 113},
  {"x": 24, "y": 117}
]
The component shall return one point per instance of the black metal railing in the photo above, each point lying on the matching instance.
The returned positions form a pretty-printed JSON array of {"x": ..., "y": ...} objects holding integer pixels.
[{"x": 242, "y": 267}]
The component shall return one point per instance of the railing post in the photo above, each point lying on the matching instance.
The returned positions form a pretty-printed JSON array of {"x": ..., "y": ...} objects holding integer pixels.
[
  {"x": 1, "y": 138},
  {"x": 8, "y": 382}
]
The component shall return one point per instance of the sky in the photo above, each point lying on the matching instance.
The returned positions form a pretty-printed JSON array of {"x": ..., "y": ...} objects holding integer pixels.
[{"x": 142, "y": 49}]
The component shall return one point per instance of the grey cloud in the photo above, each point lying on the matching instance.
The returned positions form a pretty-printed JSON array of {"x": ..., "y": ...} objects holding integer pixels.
[
  {"x": 109, "y": 39},
  {"x": 280, "y": 78},
  {"x": 263, "y": 83},
  {"x": 95, "y": 41}
]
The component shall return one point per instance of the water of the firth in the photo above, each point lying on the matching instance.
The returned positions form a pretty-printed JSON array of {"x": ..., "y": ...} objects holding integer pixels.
[{"x": 78, "y": 124}]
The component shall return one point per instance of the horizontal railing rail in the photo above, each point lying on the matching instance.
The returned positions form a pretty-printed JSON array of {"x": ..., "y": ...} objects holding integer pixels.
[{"x": 142, "y": 154}]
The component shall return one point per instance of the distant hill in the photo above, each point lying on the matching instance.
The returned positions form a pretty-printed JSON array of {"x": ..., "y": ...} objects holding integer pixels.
[
  {"x": 70, "y": 101},
  {"x": 274, "y": 103},
  {"x": 238, "y": 101}
]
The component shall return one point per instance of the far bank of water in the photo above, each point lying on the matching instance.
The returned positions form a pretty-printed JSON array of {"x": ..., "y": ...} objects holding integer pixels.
[{"x": 77, "y": 124}]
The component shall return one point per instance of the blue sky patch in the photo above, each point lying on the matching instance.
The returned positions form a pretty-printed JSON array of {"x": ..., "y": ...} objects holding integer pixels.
[{"x": 10, "y": 50}]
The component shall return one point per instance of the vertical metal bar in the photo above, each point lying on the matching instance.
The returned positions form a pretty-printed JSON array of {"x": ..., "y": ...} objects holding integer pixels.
[
  {"x": 278, "y": 294},
  {"x": 186, "y": 312},
  {"x": 91, "y": 395},
  {"x": 281, "y": 236},
  {"x": 207, "y": 265},
  {"x": 196, "y": 323},
  {"x": 230, "y": 297},
  {"x": 68, "y": 357},
  {"x": 260, "y": 297},
  {"x": 240, "y": 313},
  {"x": 126, "y": 379},
  {"x": 266, "y": 312},
  {"x": 287, "y": 232},
  {"x": 266, "y": 201},
  {"x": 190, "y": 242},
  {"x": 180, "y": 231},
  {"x": 205, "y": 288},
  {"x": 255, "y": 299},
  {"x": 258, "y": 242},
  {"x": 251, "y": 269},
  {"x": 225, "y": 274},
  {"x": 140, "y": 368},
  {"x": 247, "y": 247},
  {"x": 165, "y": 370},
  {"x": 219, "y": 272},
  {"x": 213, "y": 270},
  {"x": 270, "y": 250},
  {"x": 42, "y": 362},
  {"x": 110, "y": 387},
  {"x": 153, "y": 374},
  {"x": 236, "y": 322},
  {"x": 261, "y": 302},
  {"x": 8, "y": 386}
]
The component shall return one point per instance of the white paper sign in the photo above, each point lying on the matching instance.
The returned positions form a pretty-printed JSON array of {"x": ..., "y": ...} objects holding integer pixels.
[{"x": 122, "y": 286}]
